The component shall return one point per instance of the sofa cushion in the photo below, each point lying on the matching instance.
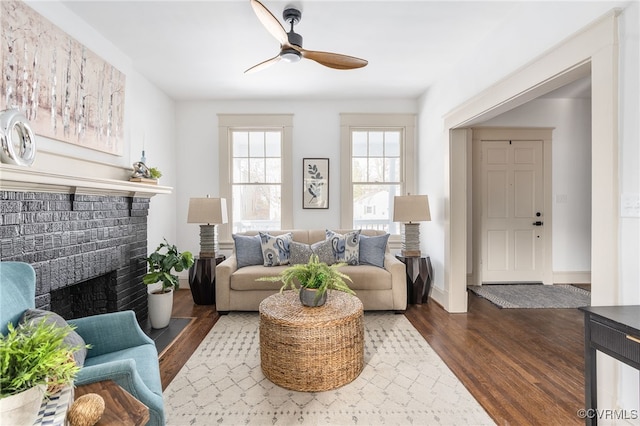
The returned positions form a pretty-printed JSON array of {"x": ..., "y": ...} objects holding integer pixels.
[
  {"x": 373, "y": 249},
  {"x": 245, "y": 278},
  {"x": 275, "y": 249},
  {"x": 367, "y": 277},
  {"x": 345, "y": 246},
  {"x": 248, "y": 250},
  {"x": 73, "y": 339},
  {"x": 324, "y": 251}
]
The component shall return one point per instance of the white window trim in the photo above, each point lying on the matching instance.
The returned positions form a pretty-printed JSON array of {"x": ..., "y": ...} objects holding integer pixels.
[
  {"x": 229, "y": 122},
  {"x": 350, "y": 121}
]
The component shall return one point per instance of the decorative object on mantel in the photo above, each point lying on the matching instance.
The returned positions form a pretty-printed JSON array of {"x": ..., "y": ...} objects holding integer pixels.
[
  {"x": 161, "y": 264},
  {"x": 410, "y": 209},
  {"x": 142, "y": 173},
  {"x": 18, "y": 142}
]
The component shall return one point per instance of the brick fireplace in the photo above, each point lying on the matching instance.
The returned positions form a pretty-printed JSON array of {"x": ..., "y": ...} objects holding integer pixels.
[{"x": 87, "y": 250}]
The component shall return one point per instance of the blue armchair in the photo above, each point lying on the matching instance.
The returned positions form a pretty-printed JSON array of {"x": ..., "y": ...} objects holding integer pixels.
[{"x": 120, "y": 351}]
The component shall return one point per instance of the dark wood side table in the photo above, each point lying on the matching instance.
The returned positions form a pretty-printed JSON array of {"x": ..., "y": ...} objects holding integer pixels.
[
  {"x": 121, "y": 408},
  {"x": 614, "y": 330},
  {"x": 202, "y": 279},
  {"x": 419, "y": 277}
]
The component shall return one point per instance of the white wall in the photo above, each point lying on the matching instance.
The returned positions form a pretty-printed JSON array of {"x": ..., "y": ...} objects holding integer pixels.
[
  {"x": 571, "y": 173},
  {"x": 148, "y": 112},
  {"x": 316, "y": 133}
]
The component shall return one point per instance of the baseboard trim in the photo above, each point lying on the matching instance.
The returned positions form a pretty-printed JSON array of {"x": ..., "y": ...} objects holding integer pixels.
[{"x": 572, "y": 277}]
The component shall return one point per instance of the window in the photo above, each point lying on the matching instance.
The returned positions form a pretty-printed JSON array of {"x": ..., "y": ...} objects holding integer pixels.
[
  {"x": 375, "y": 149},
  {"x": 257, "y": 149},
  {"x": 256, "y": 178}
]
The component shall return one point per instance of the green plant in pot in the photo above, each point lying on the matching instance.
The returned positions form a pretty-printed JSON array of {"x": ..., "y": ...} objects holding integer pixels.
[
  {"x": 314, "y": 279},
  {"x": 34, "y": 357},
  {"x": 165, "y": 260}
]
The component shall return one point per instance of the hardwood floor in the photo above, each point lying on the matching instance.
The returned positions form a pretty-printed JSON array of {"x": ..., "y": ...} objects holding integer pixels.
[{"x": 524, "y": 366}]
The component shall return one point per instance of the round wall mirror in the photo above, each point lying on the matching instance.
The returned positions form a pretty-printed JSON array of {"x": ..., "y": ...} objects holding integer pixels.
[{"x": 17, "y": 139}]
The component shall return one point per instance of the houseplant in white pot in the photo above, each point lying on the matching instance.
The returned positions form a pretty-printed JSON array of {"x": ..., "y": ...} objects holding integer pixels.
[
  {"x": 162, "y": 262},
  {"x": 33, "y": 358}
]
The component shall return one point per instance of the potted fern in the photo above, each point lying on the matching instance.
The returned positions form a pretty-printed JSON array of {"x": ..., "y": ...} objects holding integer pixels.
[
  {"x": 165, "y": 260},
  {"x": 33, "y": 358},
  {"x": 314, "y": 279}
]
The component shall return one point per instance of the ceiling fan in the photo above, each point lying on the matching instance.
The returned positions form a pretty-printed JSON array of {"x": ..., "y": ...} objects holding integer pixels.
[{"x": 291, "y": 42}]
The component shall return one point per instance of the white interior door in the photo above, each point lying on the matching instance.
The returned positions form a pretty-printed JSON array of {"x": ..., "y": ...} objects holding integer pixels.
[{"x": 512, "y": 211}]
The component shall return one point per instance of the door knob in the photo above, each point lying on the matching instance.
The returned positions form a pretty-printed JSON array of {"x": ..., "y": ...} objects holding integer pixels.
[{"x": 537, "y": 223}]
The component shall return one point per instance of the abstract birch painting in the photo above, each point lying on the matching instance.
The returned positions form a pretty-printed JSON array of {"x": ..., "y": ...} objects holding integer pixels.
[{"x": 65, "y": 90}]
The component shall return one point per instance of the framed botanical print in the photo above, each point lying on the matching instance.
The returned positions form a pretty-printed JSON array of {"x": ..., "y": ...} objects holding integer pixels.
[{"x": 315, "y": 180}]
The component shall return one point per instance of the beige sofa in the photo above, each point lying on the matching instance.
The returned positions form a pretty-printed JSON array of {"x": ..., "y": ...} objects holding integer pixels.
[{"x": 377, "y": 288}]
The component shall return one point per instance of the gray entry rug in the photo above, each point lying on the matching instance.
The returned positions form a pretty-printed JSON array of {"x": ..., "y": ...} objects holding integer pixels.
[
  {"x": 404, "y": 382},
  {"x": 533, "y": 295}
]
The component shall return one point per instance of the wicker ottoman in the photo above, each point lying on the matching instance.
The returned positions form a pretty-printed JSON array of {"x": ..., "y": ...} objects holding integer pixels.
[{"x": 311, "y": 349}]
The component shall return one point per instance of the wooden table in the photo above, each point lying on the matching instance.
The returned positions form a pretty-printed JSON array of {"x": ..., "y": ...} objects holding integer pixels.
[
  {"x": 120, "y": 407},
  {"x": 311, "y": 349}
]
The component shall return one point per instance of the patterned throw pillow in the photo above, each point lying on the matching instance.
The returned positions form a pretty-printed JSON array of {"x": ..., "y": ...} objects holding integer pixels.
[
  {"x": 324, "y": 251},
  {"x": 299, "y": 253},
  {"x": 276, "y": 249},
  {"x": 73, "y": 339},
  {"x": 248, "y": 250},
  {"x": 373, "y": 249},
  {"x": 346, "y": 248}
]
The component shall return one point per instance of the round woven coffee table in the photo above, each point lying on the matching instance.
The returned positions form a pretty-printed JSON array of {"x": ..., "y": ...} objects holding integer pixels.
[{"x": 311, "y": 349}]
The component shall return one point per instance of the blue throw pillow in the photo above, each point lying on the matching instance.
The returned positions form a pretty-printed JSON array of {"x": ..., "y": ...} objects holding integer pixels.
[
  {"x": 275, "y": 249},
  {"x": 248, "y": 250},
  {"x": 373, "y": 249}
]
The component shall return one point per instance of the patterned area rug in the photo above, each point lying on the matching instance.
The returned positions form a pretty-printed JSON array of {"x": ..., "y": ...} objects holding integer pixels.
[
  {"x": 404, "y": 382},
  {"x": 533, "y": 295}
]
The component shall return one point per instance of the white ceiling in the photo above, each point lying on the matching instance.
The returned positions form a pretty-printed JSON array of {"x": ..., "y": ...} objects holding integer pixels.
[{"x": 199, "y": 49}]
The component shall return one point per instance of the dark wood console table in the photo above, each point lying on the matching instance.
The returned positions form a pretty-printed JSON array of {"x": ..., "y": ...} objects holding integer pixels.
[{"x": 614, "y": 330}]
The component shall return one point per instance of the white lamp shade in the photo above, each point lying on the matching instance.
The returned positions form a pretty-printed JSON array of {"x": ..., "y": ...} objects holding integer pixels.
[
  {"x": 207, "y": 210},
  {"x": 411, "y": 208}
]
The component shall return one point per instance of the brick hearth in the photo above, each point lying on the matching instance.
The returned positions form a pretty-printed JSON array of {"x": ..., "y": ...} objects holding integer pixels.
[{"x": 73, "y": 238}]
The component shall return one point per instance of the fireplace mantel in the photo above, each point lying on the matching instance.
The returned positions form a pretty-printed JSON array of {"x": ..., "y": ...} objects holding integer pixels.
[{"x": 22, "y": 179}]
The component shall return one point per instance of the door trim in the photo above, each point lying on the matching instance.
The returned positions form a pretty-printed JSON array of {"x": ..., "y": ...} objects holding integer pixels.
[
  {"x": 543, "y": 134},
  {"x": 592, "y": 51}
]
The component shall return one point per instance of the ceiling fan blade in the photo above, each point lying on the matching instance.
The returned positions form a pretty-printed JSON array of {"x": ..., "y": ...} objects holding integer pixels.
[
  {"x": 333, "y": 60},
  {"x": 263, "y": 65},
  {"x": 270, "y": 22}
]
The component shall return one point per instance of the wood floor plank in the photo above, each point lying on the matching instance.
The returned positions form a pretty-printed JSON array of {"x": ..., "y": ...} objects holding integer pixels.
[{"x": 524, "y": 366}]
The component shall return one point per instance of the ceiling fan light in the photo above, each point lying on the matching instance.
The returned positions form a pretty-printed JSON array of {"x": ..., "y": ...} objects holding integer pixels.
[{"x": 290, "y": 56}]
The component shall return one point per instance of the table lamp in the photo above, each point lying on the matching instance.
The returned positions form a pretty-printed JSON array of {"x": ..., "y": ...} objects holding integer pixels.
[
  {"x": 411, "y": 209},
  {"x": 208, "y": 212}
]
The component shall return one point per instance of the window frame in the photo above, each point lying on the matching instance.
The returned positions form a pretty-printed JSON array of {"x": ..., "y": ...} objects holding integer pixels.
[
  {"x": 227, "y": 123},
  {"x": 375, "y": 122}
]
